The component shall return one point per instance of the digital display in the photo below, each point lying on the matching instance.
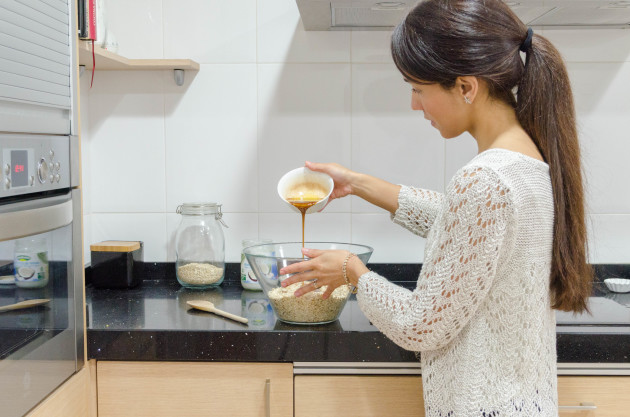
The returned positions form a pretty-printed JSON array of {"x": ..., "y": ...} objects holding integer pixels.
[{"x": 19, "y": 168}]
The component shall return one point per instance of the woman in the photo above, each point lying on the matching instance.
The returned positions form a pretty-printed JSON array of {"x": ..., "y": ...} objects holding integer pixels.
[{"x": 506, "y": 243}]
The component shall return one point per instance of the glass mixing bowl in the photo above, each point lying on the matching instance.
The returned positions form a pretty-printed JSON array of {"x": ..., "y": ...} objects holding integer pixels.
[{"x": 266, "y": 260}]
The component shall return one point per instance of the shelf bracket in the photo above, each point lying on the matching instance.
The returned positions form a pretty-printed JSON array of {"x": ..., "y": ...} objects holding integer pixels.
[{"x": 179, "y": 76}]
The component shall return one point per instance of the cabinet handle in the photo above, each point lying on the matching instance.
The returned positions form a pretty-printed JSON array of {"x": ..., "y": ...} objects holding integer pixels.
[
  {"x": 268, "y": 397},
  {"x": 582, "y": 407}
]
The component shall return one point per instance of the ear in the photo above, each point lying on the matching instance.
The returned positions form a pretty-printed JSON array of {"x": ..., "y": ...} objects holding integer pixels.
[{"x": 468, "y": 87}]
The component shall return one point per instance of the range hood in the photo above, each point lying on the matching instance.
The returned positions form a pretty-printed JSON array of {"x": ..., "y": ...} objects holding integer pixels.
[{"x": 384, "y": 15}]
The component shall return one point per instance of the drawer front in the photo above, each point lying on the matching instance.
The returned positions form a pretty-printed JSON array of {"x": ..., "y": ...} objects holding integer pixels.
[
  {"x": 608, "y": 394},
  {"x": 166, "y": 389},
  {"x": 357, "y": 396}
]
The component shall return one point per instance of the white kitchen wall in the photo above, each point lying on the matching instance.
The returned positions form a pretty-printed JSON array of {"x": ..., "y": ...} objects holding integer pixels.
[{"x": 269, "y": 96}]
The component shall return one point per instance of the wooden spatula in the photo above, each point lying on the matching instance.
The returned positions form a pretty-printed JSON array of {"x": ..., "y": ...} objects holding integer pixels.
[
  {"x": 208, "y": 306},
  {"x": 24, "y": 304}
]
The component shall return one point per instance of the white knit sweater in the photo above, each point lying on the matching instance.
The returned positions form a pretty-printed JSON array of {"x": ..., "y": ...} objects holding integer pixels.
[{"x": 481, "y": 311}]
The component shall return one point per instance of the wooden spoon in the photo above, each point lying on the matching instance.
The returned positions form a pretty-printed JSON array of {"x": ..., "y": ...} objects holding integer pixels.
[
  {"x": 24, "y": 304},
  {"x": 208, "y": 306}
]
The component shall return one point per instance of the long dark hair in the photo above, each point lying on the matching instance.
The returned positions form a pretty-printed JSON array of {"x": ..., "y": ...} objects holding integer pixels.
[{"x": 441, "y": 40}]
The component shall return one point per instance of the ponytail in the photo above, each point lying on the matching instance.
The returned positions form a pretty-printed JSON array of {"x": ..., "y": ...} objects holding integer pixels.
[{"x": 545, "y": 110}]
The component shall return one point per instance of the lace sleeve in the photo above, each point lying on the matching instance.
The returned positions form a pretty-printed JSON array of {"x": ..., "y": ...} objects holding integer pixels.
[
  {"x": 417, "y": 209},
  {"x": 458, "y": 270}
]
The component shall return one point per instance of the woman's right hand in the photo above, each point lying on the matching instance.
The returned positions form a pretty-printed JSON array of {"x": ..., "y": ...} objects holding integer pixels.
[
  {"x": 341, "y": 176},
  {"x": 373, "y": 190}
]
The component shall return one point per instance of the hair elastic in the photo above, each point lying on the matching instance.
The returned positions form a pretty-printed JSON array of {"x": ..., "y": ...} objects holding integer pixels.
[{"x": 527, "y": 43}]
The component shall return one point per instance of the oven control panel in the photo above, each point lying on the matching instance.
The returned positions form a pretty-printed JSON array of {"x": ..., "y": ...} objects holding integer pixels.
[{"x": 33, "y": 164}]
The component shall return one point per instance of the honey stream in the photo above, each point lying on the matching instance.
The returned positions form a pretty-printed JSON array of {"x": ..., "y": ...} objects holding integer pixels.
[{"x": 303, "y": 205}]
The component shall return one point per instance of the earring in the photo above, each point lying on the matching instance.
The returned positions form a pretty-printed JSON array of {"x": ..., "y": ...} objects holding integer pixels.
[{"x": 467, "y": 100}]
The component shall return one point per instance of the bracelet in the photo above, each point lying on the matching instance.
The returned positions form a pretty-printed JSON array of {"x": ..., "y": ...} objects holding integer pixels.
[{"x": 345, "y": 276}]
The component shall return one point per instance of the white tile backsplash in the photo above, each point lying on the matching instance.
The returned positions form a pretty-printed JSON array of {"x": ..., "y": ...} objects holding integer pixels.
[
  {"x": 391, "y": 243},
  {"x": 210, "y": 31},
  {"x": 303, "y": 113},
  {"x": 150, "y": 228},
  {"x": 318, "y": 227},
  {"x": 389, "y": 140},
  {"x": 282, "y": 38},
  {"x": 601, "y": 45},
  {"x": 126, "y": 142},
  {"x": 371, "y": 46},
  {"x": 136, "y": 26},
  {"x": 269, "y": 96},
  {"x": 210, "y": 133},
  {"x": 609, "y": 238},
  {"x": 602, "y": 110}
]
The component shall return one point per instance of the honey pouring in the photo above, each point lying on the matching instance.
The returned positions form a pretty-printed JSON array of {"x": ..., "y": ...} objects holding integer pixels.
[
  {"x": 304, "y": 196},
  {"x": 305, "y": 190}
]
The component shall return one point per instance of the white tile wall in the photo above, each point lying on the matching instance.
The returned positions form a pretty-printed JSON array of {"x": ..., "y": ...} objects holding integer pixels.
[
  {"x": 610, "y": 238},
  {"x": 391, "y": 243},
  {"x": 371, "y": 47},
  {"x": 210, "y": 133},
  {"x": 608, "y": 45},
  {"x": 389, "y": 140},
  {"x": 601, "y": 107},
  {"x": 149, "y": 228},
  {"x": 210, "y": 31},
  {"x": 318, "y": 227},
  {"x": 303, "y": 113},
  {"x": 136, "y": 26},
  {"x": 270, "y": 95},
  {"x": 282, "y": 38},
  {"x": 126, "y": 145}
]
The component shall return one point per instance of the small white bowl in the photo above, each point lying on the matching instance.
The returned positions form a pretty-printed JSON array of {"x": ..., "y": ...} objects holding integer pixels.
[
  {"x": 305, "y": 175},
  {"x": 618, "y": 284}
]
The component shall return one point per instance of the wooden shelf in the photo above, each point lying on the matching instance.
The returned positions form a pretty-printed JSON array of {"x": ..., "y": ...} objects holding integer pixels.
[{"x": 109, "y": 61}]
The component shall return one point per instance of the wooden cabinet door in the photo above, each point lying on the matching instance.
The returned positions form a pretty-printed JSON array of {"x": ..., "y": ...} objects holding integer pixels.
[
  {"x": 370, "y": 396},
  {"x": 166, "y": 389},
  {"x": 609, "y": 394}
]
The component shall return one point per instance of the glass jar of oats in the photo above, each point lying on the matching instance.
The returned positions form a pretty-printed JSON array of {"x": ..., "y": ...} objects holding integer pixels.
[{"x": 200, "y": 246}]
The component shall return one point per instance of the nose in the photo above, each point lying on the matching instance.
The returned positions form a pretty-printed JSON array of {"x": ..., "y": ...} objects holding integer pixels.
[{"x": 415, "y": 102}]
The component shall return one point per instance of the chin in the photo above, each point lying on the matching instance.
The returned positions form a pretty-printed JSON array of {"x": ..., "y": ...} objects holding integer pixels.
[{"x": 447, "y": 135}]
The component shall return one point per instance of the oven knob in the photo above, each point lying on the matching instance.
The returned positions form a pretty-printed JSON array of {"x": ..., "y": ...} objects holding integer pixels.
[
  {"x": 57, "y": 177},
  {"x": 42, "y": 170},
  {"x": 57, "y": 166},
  {"x": 7, "y": 169},
  {"x": 51, "y": 178},
  {"x": 7, "y": 183},
  {"x": 31, "y": 180},
  {"x": 52, "y": 154}
]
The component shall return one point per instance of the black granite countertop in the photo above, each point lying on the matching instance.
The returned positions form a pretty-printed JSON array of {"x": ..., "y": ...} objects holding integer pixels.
[{"x": 153, "y": 323}]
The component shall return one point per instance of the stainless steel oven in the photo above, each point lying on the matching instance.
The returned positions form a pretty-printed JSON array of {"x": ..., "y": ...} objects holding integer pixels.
[
  {"x": 40, "y": 202},
  {"x": 40, "y": 234}
]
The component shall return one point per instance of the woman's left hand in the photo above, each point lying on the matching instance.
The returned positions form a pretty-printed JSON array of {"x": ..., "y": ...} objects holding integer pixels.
[{"x": 324, "y": 266}]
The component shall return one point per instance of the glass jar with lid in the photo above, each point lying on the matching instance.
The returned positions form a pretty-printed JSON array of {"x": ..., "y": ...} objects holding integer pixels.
[{"x": 200, "y": 246}]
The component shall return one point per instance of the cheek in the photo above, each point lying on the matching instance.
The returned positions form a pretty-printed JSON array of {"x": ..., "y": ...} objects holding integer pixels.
[{"x": 415, "y": 102}]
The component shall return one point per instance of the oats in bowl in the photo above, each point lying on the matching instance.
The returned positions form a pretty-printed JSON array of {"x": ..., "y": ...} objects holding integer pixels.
[{"x": 310, "y": 307}]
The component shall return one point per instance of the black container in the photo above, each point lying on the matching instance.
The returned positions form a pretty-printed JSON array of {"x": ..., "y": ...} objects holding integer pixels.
[{"x": 117, "y": 264}]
